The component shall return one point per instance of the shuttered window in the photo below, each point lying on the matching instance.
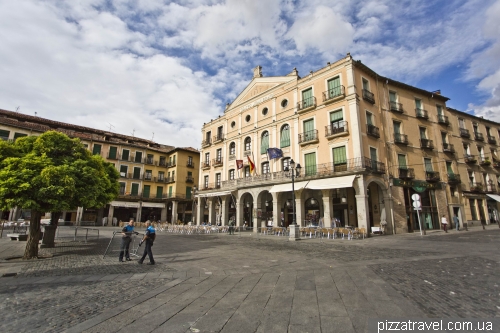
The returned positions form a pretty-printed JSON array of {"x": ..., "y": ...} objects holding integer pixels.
[
  {"x": 138, "y": 156},
  {"x": 422, "y": 133},
  {"x": 137, "y": 173},
  {"x": 310, "y": 160},
  {"x": 4, "y": 135},
  {"x": 336, "y": 116},
  {"x": 308, "y": 125},
  {"x": 307, "y": 97},
  {"x": 392, "y": 96},
  {"x": 397, "y": 127},
  {"x": 112, "y": 152},
  {"x": 264, "y": 145},
  {"x": 123, "y": 170},
  {"x": 125, "y": 154},
  {"x": 339, "y": 155},
  {"x": 402, "y": 161},
  {"x": 145, "y": 192},
  {"x": 285, "y": 136},
  {"x": 135, "y": 189},
  {"x": 170, "y": 188},
  {"x": 449, "y": 168},
  {"x": 428, "y": 164},
  {"x": 188, "y": 192},
  {"x": 369, "y": 118},
  {"x": 418, "y": 103},
  {"x": 334, "y": 87},
  {"x": 97, "y": 149},
  {"x": 159, "y": 192}
]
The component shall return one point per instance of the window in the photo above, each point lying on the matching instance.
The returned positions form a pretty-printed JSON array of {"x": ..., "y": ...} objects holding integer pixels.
[
  {"x": 207, "y": 158},
  {"x": 475, "y": 127},
  {"x": 373, "y": 154},
  {"x": 112, "y": 152},
  {"x": 369, "y": 118},
  {"x": 285, "y": 136},
  {"x": 473, "y": 212},
  {"x": 307, "y": 98},
  {"x": 85, "y": 145},
  {"x": 138, "y": 156},
  {"x": 466, "y": 149},
  {"x": 418, "y": 104},
  {"x": 161, "y": 175},
  {"x": 247, "y": 171},
  {"x": 188, "y": 192},
  {"x": 423, "y": 134},
  {"x": 217, "y": 180},
  {"x": 19, "y": 135},
  {"x": 428, "y": 164},
  {"x": 336, "y": 117},
  {"x": 218, "y": 155},
  {"x": 135, "y": 189},
  {"x": 97, "y": 149},
  {"x": 125, "y": 154},
  {"x": 159, "y": 192},
  {"x": 393, "y": 97},
  {"x": 190, "y": 160},
  {"x": 148, "y": 175},
  {"x": 480, "y": 150},
  {"x": 146, "y": 190},
  {"x": 232, "y": 148},
  {"x": 284, "y": 103},
  {"x": 233, "y": 123},
  {"x": 265, "y": 111},
  {"x": 285, "y": 163},
  {"x": 264, "y": 144},
  {"x": 265, "y": 167},
  {"x": 4, "y": 135},
  {"x": 123, "y": 170},
  {"x": 402, "y": 161},
  {"x": 439, "y": 109},
  {"x": 173, "y": 175},
  {"x": 444, "y": 137},
  {"x": 397, "y": 127},
  {"x": 334, "y": 88},
  {"x": 208, "y": 136},
  {"x": 308, "y": 127},
  {"x": 163, "y": 160},
  {"x": 231, "y": 174},
  {"x": 461, "y": 123},
  {"x": 247, "y": 118},
  {"x": 206, "y": 182},
  {"x": 122, "y": 188},
  {"x": 248, "y": 144},
  {"x": 472, "y": 178},
  {"x": 310, "y": 160},
  {"x": 137, "y": 173},
  {"x": 170, "y": 188},
  {"x": 173, "y": 162},
  {"x": 488, "y": 131},
  {"x": 366, "y": 85},
  {"x": 339, "y": 159},
  {"x": 220, "y": 134}
]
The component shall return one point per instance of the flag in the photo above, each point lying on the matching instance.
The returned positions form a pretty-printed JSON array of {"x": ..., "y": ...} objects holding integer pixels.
[
  {"x": 252, "y": 166},
  {"x": 239, "y": 164},
  {"x": 274, "y": 153}
]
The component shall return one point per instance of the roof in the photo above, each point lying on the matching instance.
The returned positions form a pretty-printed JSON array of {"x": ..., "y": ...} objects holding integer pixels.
[{"x": 472, "y": 116}]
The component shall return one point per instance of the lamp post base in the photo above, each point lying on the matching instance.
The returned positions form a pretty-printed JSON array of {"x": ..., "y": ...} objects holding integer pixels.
[{"x": 294, "y": 232}]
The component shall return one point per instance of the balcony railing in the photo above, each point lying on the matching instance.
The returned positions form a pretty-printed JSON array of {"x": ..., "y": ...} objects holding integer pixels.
[
  {"x": 432, "y": 176},
  {"x": 476, "y": 187},
  {"x": 442, "y": 119},
  {"x": 216, "y": 162},
  {"x": 160, "y": 179},
  {"x": 218, "y": 138},
  {"x": 490, "y": 188},
  {"x": 149, "y": 160},
  {"x": 205, "y": 165},
  {"x": 372, "y": 131},
  {"x": 206, "y": 143},
  {"x": 469, "y": 158},
  {"x": 405, "y": 173},
  {"x": 423, "y": 114},
  {"x": 374, "y": 166},
  {"x": 426, "y": 144},
  {"x": 492, "y": 140},
  {"x": 368, "y": 96},
  {"x": 478, "y": 136},
  {"x": 163, "y": 163},
  {"x": 134, "y": 176},
  {"x": 334, "y": 93},
  {"x": 484, "y": 161},
  {"x": 190, "y": 164},
  {"x": 148, "y": 177},
  {"x": 453, "y": 179},
  {"x": 339, "y": 127},
  {"x": 401, "y": 138},
  {"x": 137, "y": 196},
  {"x": 306, "y": 104},
  {"x": 464, "y": 133},
  {"x": 309, "y": 136},
  {"x": 189, "y": 179},
  {"x": 210, "y": 186},
  {"x": 396, "y": 107},
  {"x": 448, "y": 148},
  {"x": 170, "y": 180},
  {"x": 170, "y": 164}
]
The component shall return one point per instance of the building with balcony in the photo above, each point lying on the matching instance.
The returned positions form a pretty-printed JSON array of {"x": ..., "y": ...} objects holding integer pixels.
[{"x": 156, "y": 180}]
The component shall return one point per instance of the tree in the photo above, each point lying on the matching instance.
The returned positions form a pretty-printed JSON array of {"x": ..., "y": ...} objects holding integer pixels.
[{"x": 52, "y": 173}]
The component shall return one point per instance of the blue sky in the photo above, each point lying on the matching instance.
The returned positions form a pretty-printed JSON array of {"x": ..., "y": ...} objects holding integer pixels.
[{"x": 160, "y": 69}]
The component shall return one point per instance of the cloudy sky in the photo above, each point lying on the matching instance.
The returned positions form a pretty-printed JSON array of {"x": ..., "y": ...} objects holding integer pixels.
[{"x": 163, "y": 68}]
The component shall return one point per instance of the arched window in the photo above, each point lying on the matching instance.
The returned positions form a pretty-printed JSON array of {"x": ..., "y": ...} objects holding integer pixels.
[
  {"x": 285, "y": 136},
  {"x": 248, "y": 144},
  {"x": 264, "y": 144},
  {"x": 232, "y": 148}
]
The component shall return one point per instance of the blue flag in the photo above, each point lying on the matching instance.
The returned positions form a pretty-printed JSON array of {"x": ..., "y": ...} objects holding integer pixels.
[{"x": 274, "y": 153}]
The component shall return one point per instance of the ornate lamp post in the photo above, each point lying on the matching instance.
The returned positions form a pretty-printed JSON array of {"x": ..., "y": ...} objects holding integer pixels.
[{"x": 293, "y": 171}]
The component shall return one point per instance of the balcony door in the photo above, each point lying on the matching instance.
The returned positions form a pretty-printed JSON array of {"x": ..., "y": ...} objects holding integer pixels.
[
  {"x": 373, "y": 157},
  {"x": 308, "y": 129},
  {"x": 428, "y": 165},
  {"x": 402, "y": 161},
  {"x": 146, "y": 191},
  {"x": 307, "y": 97},
  {"x": 112, "y": 152},
  {"x": 137, "y": 173},
  {"x": 310, "y": 160},
  {"x": 334, "y": 87}
]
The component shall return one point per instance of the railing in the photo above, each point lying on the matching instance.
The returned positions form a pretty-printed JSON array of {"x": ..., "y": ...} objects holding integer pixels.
[
  {"x": 401, "y": 138},
  {"x": 432, "y": 176},
  {"x": 454, "y": 178},
  {"x": 420, "y": 113},
  {"x": 368, "y": 96},
  {"x": 476, "y": 187},
  {"x": 217, "y": 161},
  {"x": 148, "y": 176},
  {"x": 372, "y": 130},
  {"x": 336, "y": 128},
  {"x": 374, "y": 166},
  {"x": 134, "y": 176},
  {"x": 205, "y": 165},
  {"x": 160, "y": 179},
  {"x": 478, "y": 136},
  {"x": 397, "y": 107},
  {"x": 218, "y": 138},
  {"x": 426, "y": 144},
  {"x": 448, "y": 148},
  {"x": 490, "y": 188},
  {"x": 308, "y": 136},
  {"x": 149, "y": 160},
  {"x": 163, "y": 163},
  {"x": 189, "y": 179},
  {"x": 124, "y": 158},
  {"x": 333, "y": 93},
  {"x": 484, "y": 160},
  {"x": 306, "y": 103},
  {"x": 464, "y": 133},
  {"x": 210, "y": 186},
  {"x": 206, "y": 143},
  {"x": 170, "y": 180},
  {"x": 442, "y": 119},
  {"x": 407, "y": 173},
  {"x": 469, "y": 158},
  {"x": 190, "y": 164},
  {"x": 492, "y": 140}
]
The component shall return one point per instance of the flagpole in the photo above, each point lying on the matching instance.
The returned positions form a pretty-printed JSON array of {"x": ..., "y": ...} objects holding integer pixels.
[{"x": 254, "y": 166}]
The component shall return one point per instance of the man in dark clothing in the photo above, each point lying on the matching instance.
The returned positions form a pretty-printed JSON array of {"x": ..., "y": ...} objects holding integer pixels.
[
  {"x": 149, "y": 238},
  {"x": 127, "y": 232}
]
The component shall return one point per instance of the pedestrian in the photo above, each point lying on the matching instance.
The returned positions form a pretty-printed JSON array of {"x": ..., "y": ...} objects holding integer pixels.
[
  {"x": 149, "y": 239},
  {"x": 127, "y": 232},
  {"x": 231, "y": 227},
  {"x": 444, "y": 222},
  {"x": 457, "y": 223}
]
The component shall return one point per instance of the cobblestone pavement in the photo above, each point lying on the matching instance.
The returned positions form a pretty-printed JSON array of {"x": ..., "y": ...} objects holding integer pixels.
[{"x": 222, "y": 283}]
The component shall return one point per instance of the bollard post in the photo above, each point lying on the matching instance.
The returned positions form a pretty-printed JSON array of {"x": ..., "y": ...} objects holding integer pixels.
[
  {"x": 86, "y": 235},
  {"x": 76, "y": 228}
]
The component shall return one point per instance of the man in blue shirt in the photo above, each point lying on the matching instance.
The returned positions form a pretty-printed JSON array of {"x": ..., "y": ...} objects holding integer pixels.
[
  {"x": 127, "y": 232},
  {"x": 149, "y": 238}
]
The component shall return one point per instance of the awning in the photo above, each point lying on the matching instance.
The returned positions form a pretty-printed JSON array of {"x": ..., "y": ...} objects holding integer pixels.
[
  {"x": 288, "y": 187},
  {"x": 124, "y": 204},
  {"x": 494, "y": 197},
  {"x": 153, "y": 205},
  {"x": 214, "y": 194},
  {"x": 329, "y": 183}
]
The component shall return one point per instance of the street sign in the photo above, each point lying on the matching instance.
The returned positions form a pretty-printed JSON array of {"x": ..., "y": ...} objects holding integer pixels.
[
  {"x": 415, "y": 197},
  {"x": 417, "y": 204}
]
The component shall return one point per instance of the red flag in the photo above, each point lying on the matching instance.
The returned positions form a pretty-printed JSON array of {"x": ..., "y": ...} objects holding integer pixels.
[
  {"x": 252, "y": 166},
  {"x": 239, "y": 164}
]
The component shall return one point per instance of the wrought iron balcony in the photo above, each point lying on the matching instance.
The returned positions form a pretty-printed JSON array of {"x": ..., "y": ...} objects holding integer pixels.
[
  {"x": 372, "y": 131},
  {"x": 406, "y": 173},
  {"x": 401, "y": 138},
  {"x": 491, "y": 188},
  {"x": 484, "y": 161},
  {"x": 218, "y": 138},
  {"x": 206, "y": 143},
  {"x": 205, "y": 165},
  {"x": 217, "y": 162},
  {"x": 478, "y": 136},
  {"x": 492, "y": 140},
  {"x": 339, "y": 127},
  {"x": 170, "y": 180},
  {"x": 149, "y": 160},
  {"x": 368, "y": 96},
  {"x": 453, "y": 179},
  {"x": 134, "y": 176},
  {"x": 464, "y": 133},
  {"x": 426, "y": 144},
  {"x": 469, "y": 158},
  {"x": 160, "y": 179},
  {"x": 333, "y": 94},
  {"x": 396, "y": 107},
  {"x": 190, "y": 164},
  {"x": 448, "y": 148},
  {"x": 306, "y": 104},
  {"x": 432, "y": 176},
  {"x": 148, "y": 177},
  {"x": 189, "y": 179},
  {"x": 308, "y": 137},
  {"x": 476, "y": 187},
  {"x": 374, "y": 166},
  {"x": 442, "y": 119},
  {"x": 421, "y": 113},
  {"x": 163, "y": 163}
]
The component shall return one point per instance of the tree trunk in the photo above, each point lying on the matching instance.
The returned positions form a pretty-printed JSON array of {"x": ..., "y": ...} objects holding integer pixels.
[
  {"x": 31, "y": 250},
  {"x": 50, "y": 231}
]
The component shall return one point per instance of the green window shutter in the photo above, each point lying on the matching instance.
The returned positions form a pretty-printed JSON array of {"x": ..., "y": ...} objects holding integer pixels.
[
  {"x": 449, "y": 168},
  {"x": 137, "y": 173},
  {"x": 310, "y": 160},
  {"x": 170, "y": 191},
  {"x": 96, "y": 150},
  {"x": 138, "y": 156},
  {"x": 188, "y": 192},
  {"x": 397, "y": 127},
  {"x": 308, "y": 125},
  {"x": 159, "y": 192},
  {"x": 402, "y": 161},
  {"x": 339, "y": 155},
  {"x": 365, "y": 85},
  {"x": 125, "y": 154},
  {"x": 264, "y": 144},
  {"x": 4, "y": 135},
  {"x": 145, "y": 192},
  {"x": 123, "y": 170},
  {"x": 392, "y": 96},
  {"x": 418, "y": 104},
  {"x": 373, "y": 154},
  {"x": 112, "y": 152},
  {"x": 306, "y": 95},
  {"x": 336, "y": 116},
  {"x": 19, "y": 135},
  {"x": 428, "y": 164},
  {"x": 285, "y": 137},
  {"x": 334, "y": 87},
  {"x": 135, "y": 189}
]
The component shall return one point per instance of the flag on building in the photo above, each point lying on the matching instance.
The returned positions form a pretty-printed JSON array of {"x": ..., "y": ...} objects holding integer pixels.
[
  {"x": 274, "y": 153},
  {"x": 252, "y": 166},
  {"x": 239, "y": 164}
]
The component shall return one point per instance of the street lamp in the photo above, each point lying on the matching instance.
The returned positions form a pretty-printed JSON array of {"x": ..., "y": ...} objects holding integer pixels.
[
  {"x": 293, "y": 171},
  {"x": 193, "y": 213}
]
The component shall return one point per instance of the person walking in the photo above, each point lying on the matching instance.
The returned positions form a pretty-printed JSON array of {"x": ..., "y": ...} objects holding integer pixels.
[
  {"x": 127, "y": 232},
  {"x": 457, "y": 223},
  {"x": 149, "y": 239},
  {"x": 444, "y": 222}
]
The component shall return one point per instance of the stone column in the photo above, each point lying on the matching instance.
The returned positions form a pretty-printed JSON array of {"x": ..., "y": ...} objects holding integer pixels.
[
  {"x": 276, "y": 210},
  {"x": 362, "y": 205},
  {"x": 211, "y": 210},
  {"x": 225, "y": 210},
  {"x": 239, "y": 213},
  {"x": 299, "y": 208},
  {"x": 163, "y": 216},
  {"x": 199, "y": 210},
  {"x": 174, "y": 212},
  {"x": 110, "y": 215},
  {"x": 139, "y": 212},
  {"x": 388, "y": 214},
  {"x": 256, "y": 220},
  {"x": 327, "y": 220}
]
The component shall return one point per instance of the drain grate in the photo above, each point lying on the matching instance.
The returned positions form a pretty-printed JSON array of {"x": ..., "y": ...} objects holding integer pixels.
[{"x": 9, "y": 274}]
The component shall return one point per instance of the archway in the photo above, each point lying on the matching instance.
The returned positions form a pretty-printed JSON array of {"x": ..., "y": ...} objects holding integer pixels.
[
  {"x": 312, "y": 211},
  {"x": 378, "y": 209},
  {"x": 265, "y": 208},
  {"x": 248, "y": 210}
]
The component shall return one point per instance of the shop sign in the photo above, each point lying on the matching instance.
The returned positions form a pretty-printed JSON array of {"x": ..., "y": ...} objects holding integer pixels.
[{"x": 418, "y": 185}]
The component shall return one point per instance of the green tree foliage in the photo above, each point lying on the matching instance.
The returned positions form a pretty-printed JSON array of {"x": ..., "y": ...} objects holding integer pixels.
[{"x": 52, "y": 173}]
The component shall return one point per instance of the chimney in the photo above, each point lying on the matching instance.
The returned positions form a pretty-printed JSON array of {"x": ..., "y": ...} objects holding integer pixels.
[{"x": 257, "y": 71}]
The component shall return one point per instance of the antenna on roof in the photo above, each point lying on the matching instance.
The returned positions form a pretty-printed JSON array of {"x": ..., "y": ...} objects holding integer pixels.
[
  {"x": 36, "y": 113},
  {"x": 153, "y": 136},
  {"x": 133, "y": 132},
  {"x": 17, "y": 109},
  {"x": 110, "y": 126}
]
